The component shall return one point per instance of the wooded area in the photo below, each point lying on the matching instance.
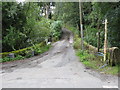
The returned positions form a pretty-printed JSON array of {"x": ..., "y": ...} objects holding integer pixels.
[
  {"x": 29, "y": 23},
  {"x": 60, "y": 44},
  {"x": 94, "y": 15}
]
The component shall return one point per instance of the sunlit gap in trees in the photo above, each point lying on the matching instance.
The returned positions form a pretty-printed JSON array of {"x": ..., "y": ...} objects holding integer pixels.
[{"x": 20, "y": 1}]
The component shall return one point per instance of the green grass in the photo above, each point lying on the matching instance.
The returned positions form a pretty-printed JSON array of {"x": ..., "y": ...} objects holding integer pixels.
[
  {"x": 38, "y": 50},
  {"x": 89, "y": 64},
  {"x": 5, "y": 59},
  {"x": 93, "y": 62},
  {"x": 88, "y": 59},
  {"x": 45, "y": 48},
  {"x": 110, "y": 70}
]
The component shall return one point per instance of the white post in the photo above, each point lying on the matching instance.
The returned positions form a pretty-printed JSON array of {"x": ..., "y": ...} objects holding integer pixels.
[{"x": 105, "y": 41}]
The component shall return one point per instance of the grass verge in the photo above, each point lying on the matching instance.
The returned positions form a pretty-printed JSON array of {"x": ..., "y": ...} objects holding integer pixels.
[
  {"x": 38, "y": 50},
  {"x": 89, "y": 59},
  {"x": 93, "y": 62}
]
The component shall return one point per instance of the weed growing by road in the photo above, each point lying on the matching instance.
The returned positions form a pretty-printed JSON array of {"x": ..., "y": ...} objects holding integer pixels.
[
  {"x": 37, "y": 51},
  {"x": 86, "y": 58},
  {"x": 91, "y": 61},
  {"x": 5, "y": 59}
]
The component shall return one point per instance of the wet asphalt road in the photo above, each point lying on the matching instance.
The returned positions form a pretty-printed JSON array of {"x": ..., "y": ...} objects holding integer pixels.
[{"x": 57, "y": 68}]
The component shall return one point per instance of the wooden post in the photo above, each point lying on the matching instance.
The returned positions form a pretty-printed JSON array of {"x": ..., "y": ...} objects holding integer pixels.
[
  {"x": 81, "y": 25},
  {"x": 105, "y": 41},
  {"x": 98, "y": 43}
]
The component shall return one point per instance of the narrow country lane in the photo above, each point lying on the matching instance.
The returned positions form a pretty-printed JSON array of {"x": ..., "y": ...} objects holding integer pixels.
[{"x": 57, "y": 68}]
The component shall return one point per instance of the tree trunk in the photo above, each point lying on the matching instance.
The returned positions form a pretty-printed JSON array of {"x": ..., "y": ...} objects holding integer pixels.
[
  {"x": 81, "y": 25},
  {"x": 78, "y": 28}
]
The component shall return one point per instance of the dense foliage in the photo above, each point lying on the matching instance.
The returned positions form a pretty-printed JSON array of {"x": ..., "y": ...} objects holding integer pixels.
[
  {"x": 23, "y": 25},
  {"x": 28, "y": 24},
  {"x": 94, "y": 15},
  {"x": 17, "y": 24}
]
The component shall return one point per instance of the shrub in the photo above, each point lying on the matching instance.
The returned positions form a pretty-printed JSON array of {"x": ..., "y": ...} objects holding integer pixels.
[
  {"x": 85, "y": 56},
  {"x": 41, "y": 30},
  {"x": 56, "y": 27},
  {"x": 76, "y": 42},
  {"x": 23, "y": 51},
  {"x": 74, "y": 30}
]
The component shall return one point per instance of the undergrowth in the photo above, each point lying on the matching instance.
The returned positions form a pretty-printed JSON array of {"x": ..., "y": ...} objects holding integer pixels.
[
  {"x": 91, "y": 61},
  {"x": 37, "y": 51},
  {"x": 5, "y": 59}
]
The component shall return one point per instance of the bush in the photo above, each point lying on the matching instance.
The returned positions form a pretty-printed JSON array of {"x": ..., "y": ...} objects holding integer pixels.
[
  {"x": 76, "y": 42},
  {"x": 23, "y": 51},
  {"x": 85, "y": 56},
  {"x": 74, "y": 30},
  {"x": 56, "y": 28},
  {"x": 41, "y": 30}
]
